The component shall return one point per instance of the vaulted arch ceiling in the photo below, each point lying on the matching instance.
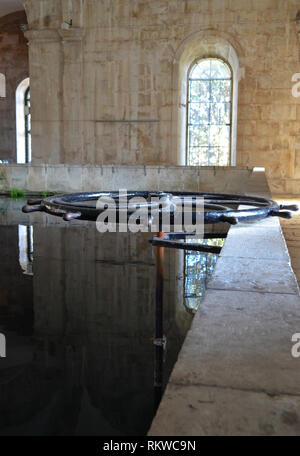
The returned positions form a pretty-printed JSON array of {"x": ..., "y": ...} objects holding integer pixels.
[{"x": 10, "y": 6}]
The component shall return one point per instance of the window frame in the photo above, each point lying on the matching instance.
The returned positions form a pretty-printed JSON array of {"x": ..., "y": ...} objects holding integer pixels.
[
  {"x": 195, "y": 61},
  {"x": 26, "y": 123},
  {"x": 20, "y": 94}
]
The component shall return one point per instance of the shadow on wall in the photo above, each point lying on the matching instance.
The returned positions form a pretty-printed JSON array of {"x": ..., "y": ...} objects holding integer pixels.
[{"x": 14, "y": 68}]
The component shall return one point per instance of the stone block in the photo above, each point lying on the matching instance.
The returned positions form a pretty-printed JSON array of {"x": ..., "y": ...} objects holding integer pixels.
[
  {"x": 203, "y": 410},
  {"x": 247, "y": 274}
]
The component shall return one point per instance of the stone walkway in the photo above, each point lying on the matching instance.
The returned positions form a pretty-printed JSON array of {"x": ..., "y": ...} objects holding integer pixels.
[
  {"x": 291, "y": 231},
  {"x": 235, "y": 374}
]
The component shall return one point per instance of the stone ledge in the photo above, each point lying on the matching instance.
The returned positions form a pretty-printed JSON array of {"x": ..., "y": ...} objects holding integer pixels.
[
  {"x": 80, "y": 178},
  {"x": 248, "y": 241},
  {"x": 255, "y": 275},
  {"x": 212, "y": 411},
  {"x": 242, "y": 340},
  {"x": 235, "y": 374}
]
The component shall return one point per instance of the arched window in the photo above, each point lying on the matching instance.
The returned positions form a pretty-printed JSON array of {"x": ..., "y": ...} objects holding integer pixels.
[
  {"x": 209, "y": 116},
  {"x": 23, "y": 122},
  {"x": 27, "y": 126},
  {"x": 218, "y": 47}
]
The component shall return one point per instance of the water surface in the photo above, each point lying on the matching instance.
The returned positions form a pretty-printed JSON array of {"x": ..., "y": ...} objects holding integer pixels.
[{"x": 78, "y": 311}]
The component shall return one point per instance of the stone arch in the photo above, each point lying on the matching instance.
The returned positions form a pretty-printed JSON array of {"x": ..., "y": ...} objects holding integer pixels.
[
  {"x": 207, "y": 43},
  {"x": 25, "y": 4}
]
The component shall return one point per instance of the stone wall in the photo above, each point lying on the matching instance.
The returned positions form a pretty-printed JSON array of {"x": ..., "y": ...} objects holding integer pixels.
[
  {"x": 107, "y": 88},
  {"x": 14, "y": 65},
  {"x": 85, "y": 178}
]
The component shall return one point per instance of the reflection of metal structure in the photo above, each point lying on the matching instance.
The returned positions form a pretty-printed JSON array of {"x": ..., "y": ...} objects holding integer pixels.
[
  {"x": 160, "y": 339},
  {"x": 218, "y": 208}
]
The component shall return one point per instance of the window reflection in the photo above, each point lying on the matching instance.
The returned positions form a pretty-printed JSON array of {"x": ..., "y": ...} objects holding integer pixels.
[
  {"x": 26, "y": 248},
  {"x": 198, "y": 268}
]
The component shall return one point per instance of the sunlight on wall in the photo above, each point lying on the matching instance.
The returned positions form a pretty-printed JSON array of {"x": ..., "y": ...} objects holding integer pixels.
[{"x": 20, "y": 120}]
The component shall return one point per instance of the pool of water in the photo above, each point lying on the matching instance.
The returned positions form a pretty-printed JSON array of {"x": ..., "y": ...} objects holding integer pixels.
[{"x": 77, "y": 309}]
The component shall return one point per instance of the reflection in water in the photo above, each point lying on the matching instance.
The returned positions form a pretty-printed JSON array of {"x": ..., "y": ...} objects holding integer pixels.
[
  {"x": 80, "y": 354},
  {"x": 198, "y": 267},
  {"x": 26, "y": 248}
]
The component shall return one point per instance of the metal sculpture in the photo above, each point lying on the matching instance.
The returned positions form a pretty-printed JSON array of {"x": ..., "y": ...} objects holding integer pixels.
[{"x": 216, "y": 206}]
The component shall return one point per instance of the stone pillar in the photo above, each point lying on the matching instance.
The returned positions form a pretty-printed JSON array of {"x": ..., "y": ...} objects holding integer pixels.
[
  {"x": 298, "y": 28},
  {"x": 73, "y": 97},
  {"x": 45, "y": 64}
]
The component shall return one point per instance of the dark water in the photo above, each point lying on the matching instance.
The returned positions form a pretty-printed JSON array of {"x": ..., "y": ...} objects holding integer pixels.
[{"x": 78, "y": 311}]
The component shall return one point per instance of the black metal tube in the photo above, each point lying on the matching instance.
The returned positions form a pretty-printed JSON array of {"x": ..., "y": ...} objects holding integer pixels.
[
  {"x": 214, "y": 209},
  {"x": 185, "y": 246},
  {"x": 159, "y": 335}
]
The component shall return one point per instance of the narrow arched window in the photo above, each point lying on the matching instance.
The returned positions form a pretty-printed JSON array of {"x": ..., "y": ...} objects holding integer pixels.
[
  {"x": 209, "y": 113},
  {"x": 23, "y": 122},
  {"x": 27, "y": 126}
]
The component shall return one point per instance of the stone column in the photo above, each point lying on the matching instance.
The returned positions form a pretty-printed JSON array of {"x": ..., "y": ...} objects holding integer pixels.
[
  {"x": 45, "y": 63},
  {"x": 298, "y": 28},
  {"x": 73, "y": 96}
]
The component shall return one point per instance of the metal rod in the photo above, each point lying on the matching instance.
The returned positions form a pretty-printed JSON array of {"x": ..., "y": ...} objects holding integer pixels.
[
  {"x": 186, "y": 246},
  {"x": 159, "y": 335}
]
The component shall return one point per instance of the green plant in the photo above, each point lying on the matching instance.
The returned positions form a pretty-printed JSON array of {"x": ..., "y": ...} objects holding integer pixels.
[
  {"x": 16, "y": 193},
  {"x": 45, "y": 194}
]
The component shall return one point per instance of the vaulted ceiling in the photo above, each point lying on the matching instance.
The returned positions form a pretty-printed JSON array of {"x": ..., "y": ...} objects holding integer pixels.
[{"x": 9, "y": 6}]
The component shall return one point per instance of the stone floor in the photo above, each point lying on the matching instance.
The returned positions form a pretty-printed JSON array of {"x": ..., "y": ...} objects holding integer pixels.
[{"x": 291, "y": 231}]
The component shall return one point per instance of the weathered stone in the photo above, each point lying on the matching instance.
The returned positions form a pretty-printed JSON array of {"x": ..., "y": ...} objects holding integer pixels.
[
  {"x": 248, "y": 274},
  {"x": 14, "y": 66},
  {"x": 203, "y": 410},
  {"x": 128, "y": 71}
]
